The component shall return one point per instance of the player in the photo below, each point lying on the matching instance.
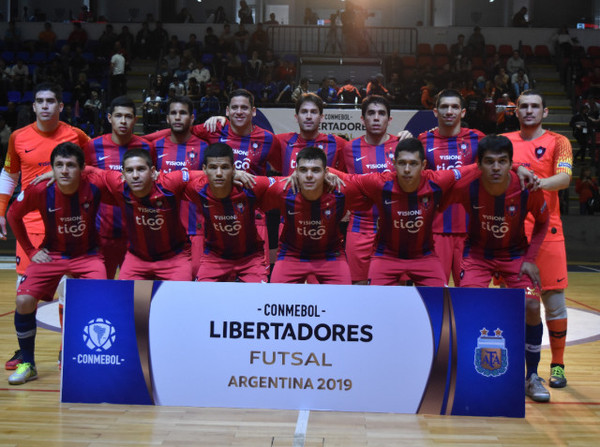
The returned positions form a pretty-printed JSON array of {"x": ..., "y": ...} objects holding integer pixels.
[
  {"x": 309, "y": 114},
  {"x": 497, "y": 244},
  {"x": 450, "y": 146},
  {"x": 28, "y": 155},
  {"x": 106, "y": 152},
  {"x": 550, "y": 156},
  {"x": 232, "y": 247},
  {"x": 311, "y": 243},
  {"x": 68, "y": 210},
  {"x": 373, "y": 152},
  {"x": 181, "y": 150}
]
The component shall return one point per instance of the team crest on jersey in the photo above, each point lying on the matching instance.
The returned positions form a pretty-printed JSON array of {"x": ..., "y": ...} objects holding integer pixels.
[
  {"x": 327, "y": 213},
  {"x": 511, "y": 210},
  {"x": 191, "y": 155},
  {"x": 240, "y": 207},
  {"x": 425, "y": 202},
  {"x": 540, "y": 151},
  {"x": 320, "y": 146},
  {"x": 491, "y": 355},
  {"x": 159, "y": 204},
  {"x": 86, "y": 205}
]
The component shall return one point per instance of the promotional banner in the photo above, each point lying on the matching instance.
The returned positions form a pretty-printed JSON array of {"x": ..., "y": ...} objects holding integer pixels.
[{"x": 283, "y": 346}]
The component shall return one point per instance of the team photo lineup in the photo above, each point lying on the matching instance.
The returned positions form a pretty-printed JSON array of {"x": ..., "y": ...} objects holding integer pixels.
[{"x": 450, "y": 206}]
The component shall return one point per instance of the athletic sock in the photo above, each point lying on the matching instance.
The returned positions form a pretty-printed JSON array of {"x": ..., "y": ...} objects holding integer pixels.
[
  {"x": 26, "y": 327},
  {"x": 557, "y": 330},
  {"x": 533, "y": 347}
]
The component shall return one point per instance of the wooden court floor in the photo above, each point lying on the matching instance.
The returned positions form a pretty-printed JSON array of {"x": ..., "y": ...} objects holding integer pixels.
[{"x": 31, "y": 414}]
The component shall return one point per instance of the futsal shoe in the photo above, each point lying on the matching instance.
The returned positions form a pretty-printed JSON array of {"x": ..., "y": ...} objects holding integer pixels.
[
  {"x": 24, "y": 373},
  {"x": 557, "y": 377},
  {"x": 535, "y": 389},
  {"x": 14, "y": 361}
]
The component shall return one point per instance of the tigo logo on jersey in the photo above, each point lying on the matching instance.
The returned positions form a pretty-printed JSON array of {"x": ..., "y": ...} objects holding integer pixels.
[
  {"x": 99, "y": 334},
  {"x": 491, "y": 356}
]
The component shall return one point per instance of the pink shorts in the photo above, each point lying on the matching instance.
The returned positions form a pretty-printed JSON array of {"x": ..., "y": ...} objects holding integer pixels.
[
  {"x": 359, "y": 248},
  {"x": 297, "y": 272},
  {"x": 449, "y": 248},
  {"x": 41, "y": 279},
  {"x": 113, "y": 250},
  {"x": 197, "y": 247},
  {"x": 249, "y": 269},
  {"x": 388, "y": 271},
  {"x": 177, "y": 268},
  {"x": 477, "y": 272},
  {"x": 22, "y": 260}
]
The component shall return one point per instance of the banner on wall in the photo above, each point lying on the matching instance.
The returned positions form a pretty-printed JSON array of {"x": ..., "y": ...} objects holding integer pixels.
[{"x": 282, "y": 346}]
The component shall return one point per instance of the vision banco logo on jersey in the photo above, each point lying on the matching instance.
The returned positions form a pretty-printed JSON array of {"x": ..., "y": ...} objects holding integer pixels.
[{"x": 99, "y": 334}]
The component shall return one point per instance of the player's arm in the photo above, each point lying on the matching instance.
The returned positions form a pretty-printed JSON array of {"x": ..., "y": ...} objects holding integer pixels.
[
  {"x": 556, "y": 182},
  {"x": 563, "y": 162},
  {"x": 9, "y": 178},
  {"x": 152, "y": 137}
]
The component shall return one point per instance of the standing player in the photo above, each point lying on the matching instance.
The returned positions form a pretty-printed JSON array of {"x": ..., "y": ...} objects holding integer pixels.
[
  {"x": 181, "y": 150},
  {"x": 550, "y": 156},
  {"x": 68, "y": 210},
  {"x": 446, "y": 147},
  {"x": 309, "y": 114},
  {"x": 497, "y": 244},
  {"x": 106, "y": 152},
  {"x": 373, "y": 152},
  {"x": 28, "y": 155}
]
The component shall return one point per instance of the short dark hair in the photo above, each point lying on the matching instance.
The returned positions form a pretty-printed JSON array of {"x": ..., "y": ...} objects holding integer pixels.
[
  {"x": 495, "y": 144},
  {"x": 309, "y": 97},
  {"x": 49, "y": 87},
  {"x": 242, "y": 92},
  {"x": 374, "y": 99},
  {"x": 138, "y": 152},
  {"x": 311, "y": 153},
  {"x": 449, "y": 93},
  {"x": 218, "y": 150},
  {"x": 121, "y": 101},
  {"x": 181, "y": 100},
  {"x": 410, "y": 145},
  {"x": 533, "y": 92},
  {"x": 67, "y": 150}
]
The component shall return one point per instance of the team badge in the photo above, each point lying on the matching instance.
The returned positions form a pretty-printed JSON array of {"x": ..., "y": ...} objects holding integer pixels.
[
  {"x": 327, "y": 213},
  {"x": 511, "y": 210},
  {"x": 86, "y": 205},
  {"x": 240, "y": 207},
  {"x": 320, "y": 146},
  {"x": 491, "y": 356},
  {"x": 254, "y": 145},
  {"x": 191, "y": 155},
  {"x": 159, "y": 203},
  {"x": 425, "y": 202},
  {"x": 540, "y": 151}
]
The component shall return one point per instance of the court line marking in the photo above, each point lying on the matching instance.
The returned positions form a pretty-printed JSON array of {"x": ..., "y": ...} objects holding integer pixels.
[{"x": 301, "y": 426}]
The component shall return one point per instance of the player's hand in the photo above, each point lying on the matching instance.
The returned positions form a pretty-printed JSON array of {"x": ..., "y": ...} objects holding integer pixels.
[
  {"x": 41, "y": 256},
  {"x": 531, "y": 270},
  {"x": 46, "y": 176},
  {"x": 3, "y": 228},
  {"x": 528, "y": 179},
  {"x": 292, "y": 182},
  {"x": 212, "y": 123},
  {"x": 404, "y": 134},
  {"x": 334, "y": 182},
  {"x": 244, "y": 179}
]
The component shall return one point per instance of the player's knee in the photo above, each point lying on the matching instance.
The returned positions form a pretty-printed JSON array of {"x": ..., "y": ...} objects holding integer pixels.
[
  {"x": 26, "y": 304},
  {"x": 532, "y": 312},
  {"x": 554, "y": 304}
]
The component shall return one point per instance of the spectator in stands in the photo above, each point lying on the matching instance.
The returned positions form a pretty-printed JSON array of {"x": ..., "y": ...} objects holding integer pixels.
[
  {"x": 514, "y": 63},
  {"x": 211, "y": 41},
  {"x": 233, "y": 64},
  {"x": 458, "y": 49},
  {"x": 328, "y": 91},
  {"x": 194, "y": 90},
  {"x": 501, "y": 81},
  {"x": 259, "y": 40},
  {"x": 286, "y": 71},
  {"x": 348, "y": 93},
  {"x": 227, "y": 39},
  {"x": 192, "y": 50},
  {"x": 506, "y": 117},
  {"x": 428, "y": 94},
  {"x": 376, "y": 87},
  {"x": 476, "y": 43},
  {"x": 215, "y": 85},
  {"x": 173, "y": 60},
  {"x": 268, "y": 90},
  {"x": 143, "y": 41},
  {"x": 106, "y": 42},
  {"x": 285, "y": 89},
  {"x": 118, "y": 81},
  {"x": 245, "y": 13},
  {"x": 230, "y": 85},
  {"x": 176, "y": 88},
  {"x": 209, "y": 105},
  {"x": 272, "y": 20},
  {"x": 253, "y": 67},
  {"x": 333, "y": 39},
  {"x": 300, "y": 90},
  {"x": 175, "y": 44},
  {"x": 397, "y": 88},
  {"x": 151, "y": 108},
  {"x": 310, "y": 17},
  {"x": 159, "y": 38},
  {"x": 583, "y": 130},
  {"x": 242, "y": 39},
  {"x": 19, "y": 76},
  {"x": 12, "y": 36},
  {"x": 519, "y": 82},
  {"x": 219, "y": 16},
  {"x": 270, "y": 62},
  {"x": 85, "y": 15},
  {"x": 126, "y": 40},
  {"x": 182, "y": 72},
  {"x": 47, "y": 38},
  {"x": 520, "y": 18},
  {"x": 81, "y": 89},
  {"x": 587, "y": 188},
  {"x": 563, "y": 42},
  {"x": 160, "y": 85},
  {"x": 493, "y": 65},
  {"x": 184, "y": 16},
  {"x": 199, "y": 72},
  {"x": 92, "y": 111}
]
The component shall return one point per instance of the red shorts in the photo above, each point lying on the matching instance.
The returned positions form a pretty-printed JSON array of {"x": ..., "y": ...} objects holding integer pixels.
[
  {"x": 449, "y": 248},
  {"x": 552, "y": 262},
  {"x": 477, "y": 272},
  {"x": 263, "y": 232},
  {"x": 113, "y": 251},
  {"x": 388, "y": 271},
  {"x": 176, "y": 268},
  {"x": 297, "y": 272},
  {"x": 41, "y": 279},
  {"x": 249, "y": 269},
  {"x": 22, "y": 260},
  {"x": 359, "y": 248},
  {"x": 197, "y": 247}
]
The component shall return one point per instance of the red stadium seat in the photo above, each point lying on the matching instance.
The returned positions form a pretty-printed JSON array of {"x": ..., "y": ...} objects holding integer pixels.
[
  {"x": 424, "y": 49},
  {"x": 441, "y": 60},
  {"x": 593, "y": 51},
  {"x": 542, "y": 53},
  {"x": 490, "y": 50},
  {"x": 409, "y": 61},
  {"x": 526, "y": 51},
  {"x": 440, "y": 49},
  {"x": 505, "y": 50}
]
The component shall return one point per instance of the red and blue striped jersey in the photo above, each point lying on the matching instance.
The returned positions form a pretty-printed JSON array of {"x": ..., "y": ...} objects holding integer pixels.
[
  {"x": 175, "y": 157},
  {"x": 447, "y": 153},
  {"x": 497, "y": 223},
  {"x": 311, "y": 229},
  {"x": 103, "y": 153},
  {"x": 153, "y": 224},
  {"x": 404, "y": 226},
  {"x": 291, "y": 143},
  {"x": 69, "y": 220},
  {"x": 230, "y": 227},
  {"x": 361, "y": 157}
]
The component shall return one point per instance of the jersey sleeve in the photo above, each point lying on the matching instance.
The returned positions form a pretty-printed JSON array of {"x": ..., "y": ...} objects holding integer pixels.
[
  {"x": 151, "y": 137},
  {"x": 82, "y": 137},
  {"x": 25, "y": 203},
  {"x": 275, "y": 156},
  {"x": 175, "y": 181},
  {"x": 563, "y": 156},
  {"x": 12, "y": 164},
  {"x": 202, "y": 132},
  {"x": 89, "y": 154},
  {"x": 269, "y": 191}
]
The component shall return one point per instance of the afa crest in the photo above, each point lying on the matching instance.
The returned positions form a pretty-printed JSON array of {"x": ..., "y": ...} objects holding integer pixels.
[{"x": 491, "y": 356}]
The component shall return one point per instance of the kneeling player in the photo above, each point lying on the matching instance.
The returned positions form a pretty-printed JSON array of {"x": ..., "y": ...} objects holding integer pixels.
[
  {"x": 68, "y": 209},
  {"x": 496, "y": 242}
]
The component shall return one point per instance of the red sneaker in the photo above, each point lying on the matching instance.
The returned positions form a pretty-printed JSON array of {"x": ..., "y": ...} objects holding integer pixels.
[{"x": 14, "y": 361}]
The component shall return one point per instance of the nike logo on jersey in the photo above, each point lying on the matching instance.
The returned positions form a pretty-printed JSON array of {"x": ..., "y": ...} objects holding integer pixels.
[
  {"x": 104, "y": 157},
  {"x": 293, "y": 213},
  {"x": 389, "y": 202},
  {"x": 207, "y": 206},
  {"x": 29, "y": 150},
  {"x": 433, "y": 149},
  {"x": 161, "y": 156},
  {"x": 52, "y": 210},
  {"x": 360, "y": 158},
  {"x": 477, "y": 207}
]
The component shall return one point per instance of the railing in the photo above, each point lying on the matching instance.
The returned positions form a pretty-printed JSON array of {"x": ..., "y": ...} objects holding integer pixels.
[{"x": 323, "y": 41}]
